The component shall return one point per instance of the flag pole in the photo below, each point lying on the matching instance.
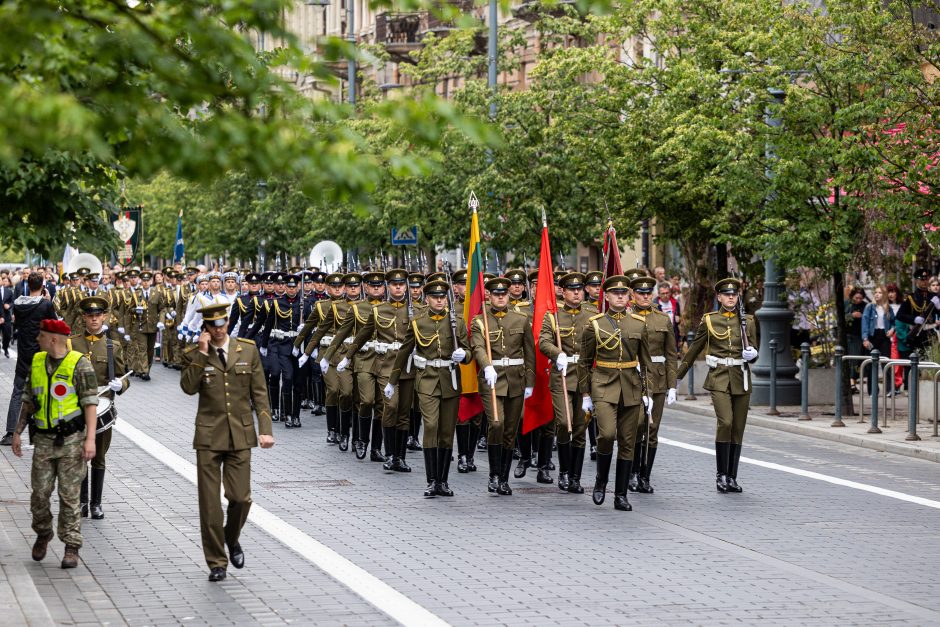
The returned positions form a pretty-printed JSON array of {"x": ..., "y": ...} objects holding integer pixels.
[
  {"x": 564, "y": 375},
  {"x": 474, "y": 203}
]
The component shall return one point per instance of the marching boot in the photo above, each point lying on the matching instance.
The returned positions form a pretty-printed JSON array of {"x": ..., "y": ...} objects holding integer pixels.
[
  {"x": 472, "y": 431},
  {"x": 523, "y": 453},
  {"x": 592, "y": 436},
  {"x": 493, "y": 452},
  {"x": 577, "y": 461},
  {"x": 430, "y": 470},
  {"x": 295, "y": 423},
  {"x": 97, "y": 485},
  {"x": 83, "y": 496},
  {"x": 362, "y": 444},
  {"x": 503, "y": 488},
  {"x": 287, "y": 411},
  {"x": 603, "y": 474},
  {"x": 620, "y": 486},
  {"x": 722, "y": 454},
  {"x": 275, "y": 415},
  {"x": 377, "y": 436},
  {"x": 414, "y": 428},
  {"x": 545, "y": 455},
  {"x": 443, "y": 469},
  {"x": 645, "y": 487},
  {"x": 391, "y": 447},
  {"x": 332, "y": 411},
  {"x": 564, "y": 465},
  {"x": 400, "y": 465},
  {"x": 462, "y": 464},
  {"x": 732, "y": 469},
  {"x": 461, "y": 435},
  {"x": 345, "y": 423},
  {"x": 634, "y": 482},
  {"x": 481, "y": 444}
]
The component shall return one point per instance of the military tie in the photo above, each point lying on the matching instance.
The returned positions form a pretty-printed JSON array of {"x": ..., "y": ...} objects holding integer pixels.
[{"x": 221, "y": 352}]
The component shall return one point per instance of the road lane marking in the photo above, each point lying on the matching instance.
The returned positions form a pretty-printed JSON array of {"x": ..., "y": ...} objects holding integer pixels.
[
  {"x": 362, "y": 583},
  {"x": 809, "y": 474}
]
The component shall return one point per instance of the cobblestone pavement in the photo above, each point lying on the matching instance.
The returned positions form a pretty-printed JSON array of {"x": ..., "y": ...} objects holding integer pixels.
[{"x": 790, "y": 550}]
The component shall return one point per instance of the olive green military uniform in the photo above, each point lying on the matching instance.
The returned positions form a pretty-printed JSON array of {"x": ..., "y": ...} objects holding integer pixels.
[
  {"x": 149, "y": 308},
  {"x": 339, "y": 385},
  {"x": 229, "y": 395}
]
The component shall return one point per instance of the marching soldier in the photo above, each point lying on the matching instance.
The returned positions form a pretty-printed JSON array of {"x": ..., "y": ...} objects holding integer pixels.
[
  {"x": 475, "y": 426},
  {"x": 517, "y": 295},
  {"x": 436, "y": 357},
  {"x": 728, "y": 380},
  {"x": 613, "y": 362},
  {"x": 149, "y": 311},
  {"x": 661, "y": 379},
  {"x": 508, "y": 368},
  {"x": 919, "y": 309},
  {"x": 169, "y": 355},
  {"x": 107, "y": 359},
  {"x": 573, "y": 320},
  {"x": 277, "y": 342},
  {"x": 247, "y": 307},
  {"x": 592, "y": 287}
]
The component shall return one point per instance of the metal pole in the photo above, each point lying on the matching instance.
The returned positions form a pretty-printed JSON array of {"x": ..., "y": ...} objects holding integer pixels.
[
  {"x": 936, "y": 405},
  {"x": 773, "y": 379},
  {"x": 804, "y": 374},
  {"x": 690, "y": 336},
  {"x": 912, "y": 400},
  {"x": 492, "y": 52},
  {"x": 837, "y": 421},
  {"x": 351, "y": 38},
  {"x": 875, "y": 358}
]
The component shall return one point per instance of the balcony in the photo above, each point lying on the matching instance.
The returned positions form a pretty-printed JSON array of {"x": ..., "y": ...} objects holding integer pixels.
[
  {"x": 402, "y": 33},
  {"x": 531, "y": 10}
]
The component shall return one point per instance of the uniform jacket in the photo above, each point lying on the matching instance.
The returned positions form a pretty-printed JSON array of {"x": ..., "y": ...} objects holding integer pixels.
[
  {"x": 95, "y": 348},
  {"x": 510, "y": 337},
  {"x": 387, "y": 323},
  {"x": 429, "y": 335},
  {"x": 572, "y": 322},
  {"x": 719, "y": 335},
  {"x": 661, "y": 340},
  {"x": 613, "y": 338}
]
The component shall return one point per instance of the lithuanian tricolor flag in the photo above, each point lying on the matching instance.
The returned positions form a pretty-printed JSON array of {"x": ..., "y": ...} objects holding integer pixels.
[{"x": 470, "y": 402}]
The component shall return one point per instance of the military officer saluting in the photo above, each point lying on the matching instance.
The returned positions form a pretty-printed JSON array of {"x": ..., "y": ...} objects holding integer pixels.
[
  {"x": 227, "y": 375},
  {"x": 661, "y": 380},
  {"x": 435, "y": 359},
  {"x": 107, "y": 359},
  {"x": 728, "y": 380},
  {"x": 571, "y": 324},
  {"x": 613, "y": 362},
  {"x": 506, "y": 358}
]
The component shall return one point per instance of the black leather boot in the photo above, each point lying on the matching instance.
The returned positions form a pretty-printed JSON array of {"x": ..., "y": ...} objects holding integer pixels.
[
  {"x": 634, "y": 481},
  {"x": 564, "y": 466},
  {"x": 523, "y": 453},
  {"x": 722, "y": 454},
  {"x": 577, "y": 462},
  {"x": 97, "y": 485},
  {"x": 414, "y": 429},
  {"x": 332, "y": 411},
  {"x": 620, "y": 486},
  {"x": 545, "y": 456},
  {"x": 645, "y": 487},
  {"x": 391, "y": 447},
  {"x": 295, "y": 422},
  {"x": 362, "y": 444},
  {"x": 735, "y": 457},
  {"x": 443, "y": 469},
  {"x": 603, "y": 474},
  {"x": 472, "y": 432},
  {"x": 345, "y": 423},
  {"x": 400, "y": 465},
  {"x": 375, "y": 454},
  {"x": 430, "y": 471},
  {"x": 83, "y": 495},
  {"x": 461, "y": 435},
  {"x": 493, "y": 452},
  {"x": 506, "y": 465}
]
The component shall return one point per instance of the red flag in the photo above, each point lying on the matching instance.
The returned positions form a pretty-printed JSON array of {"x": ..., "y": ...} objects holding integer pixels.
[
  {"x": 470, "y": 402},
  {"x": 538, "y": 409},
  {"x": 611, "y": 260}
]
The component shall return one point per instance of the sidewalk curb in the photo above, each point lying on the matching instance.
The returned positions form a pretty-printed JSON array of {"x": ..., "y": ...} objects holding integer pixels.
[
  {"x": 30, "y": 602},
  {"x": 835, "y": 435}
]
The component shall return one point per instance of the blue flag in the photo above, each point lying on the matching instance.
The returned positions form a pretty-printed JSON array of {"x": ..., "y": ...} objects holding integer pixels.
[{"x": 179, "y": 250}]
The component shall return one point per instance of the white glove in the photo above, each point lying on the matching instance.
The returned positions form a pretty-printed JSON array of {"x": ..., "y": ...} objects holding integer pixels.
[
  {"x": 179, "y": 336},
  {"x": 936, "y": 302},
  {"x": 671, "y": 396},
  {"x": 121, "y": 330},
  {"x": 342, "y": 365},
  {"x": 562, "y": 363},
  {"x": 300, "y": 327},
  {"x": 295, "y": 352},
  {"x": 171, "y": 315},
  {"x": 302, "y": 360},
  {"x": 919, "y": 320},
  {"x": 161, "y": 326},
  {"x": 115, "y": 385},
  {"x": 104, "y": 328},
  {"x": 527, "y": 393},
  {"x": 458, "y": 356},
  {"x": 389, "y": 390},
  {"x": 749, "y": 353},
  {"x": 587, "y": 404},
  {"x": 489, "y": 375},
  {"x": 127, "y": 338},
  {"x": 314, "y": 354},
  {"x": 648, "y": 403},
  {"x": 263, "y": 351},
  {"x": 324, "y": 365}
]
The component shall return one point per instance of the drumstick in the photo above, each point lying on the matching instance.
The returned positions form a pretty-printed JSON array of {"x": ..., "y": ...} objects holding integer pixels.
[{"x": 105, "y": 388}]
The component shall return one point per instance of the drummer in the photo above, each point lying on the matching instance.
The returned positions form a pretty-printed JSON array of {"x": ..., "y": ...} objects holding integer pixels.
[{"x": 107, "y": 358}]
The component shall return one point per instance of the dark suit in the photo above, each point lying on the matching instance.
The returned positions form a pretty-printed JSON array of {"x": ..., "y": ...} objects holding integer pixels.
[{"x": 6, "y": 313}]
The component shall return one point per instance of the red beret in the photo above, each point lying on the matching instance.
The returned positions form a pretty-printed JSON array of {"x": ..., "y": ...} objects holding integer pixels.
[{"x": 55, "y": 326}]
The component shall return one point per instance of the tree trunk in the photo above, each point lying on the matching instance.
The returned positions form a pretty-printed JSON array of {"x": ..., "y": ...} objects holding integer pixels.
[
  {"x": 838, "y": 279},
  {"x": 721, "y": 260}
]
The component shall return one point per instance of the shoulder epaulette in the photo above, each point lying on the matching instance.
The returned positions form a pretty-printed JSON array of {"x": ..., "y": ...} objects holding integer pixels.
[
  {"x": 246, "y": 340},
  {"x": 190, "y": 349},
  {"x": 596, "y": 317},
  {"x": 638, "y": 317}
]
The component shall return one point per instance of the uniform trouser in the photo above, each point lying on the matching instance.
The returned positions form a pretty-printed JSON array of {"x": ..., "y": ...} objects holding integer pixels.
[
  {"x": 578, "y": 418},
  {"x": 62, "y": 464},
  {"x": 233, "y": 469},
  {"x": 367, "y": 391},
  {"x": 102, "y": 444},
  {"x": 616, "y": 422},
  {"x": 396, "y": 411},
  {"x": 659, "y": 403},
  {"x": 339, "y": 388},
  {"x": 16, "y": 402},
  {"x": 731, "y": 412},
  {"x": 509, "y": 411},
  {"x": 440, "y": 420},
  {"x": 273, "y": 389},
  {"x": 317, "y": 387},
  {"x": 145, "y": 344},
  {"x": 284, "y": 368},
  {"x": 168, "y": 346},
  {"x": 132, "y": 352}
]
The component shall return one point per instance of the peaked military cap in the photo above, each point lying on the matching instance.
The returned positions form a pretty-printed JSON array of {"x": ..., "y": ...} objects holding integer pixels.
[
  {"x": 498, "y": 285},
  {"x": 459, "y": 276},
  {"x": 267, "y": 277},
  {"x": 439, "y": 276},
  {"x": 489, "y": 275},
  {"x": 415, "y": 279},
  {"x": 191, "y": 270},
  {"x": 253, "y": 277},
  {"x": 728, "y": 285},
  {"x": 633, "y": 273},
  {"x": 533, "y": 276},
  {"x": 146, "y": 275},
  {"x": 557, "y": 274},
  {"x": 643, "y": 284},
  {"x": 594, "y": 277},
  {"x": 215, "y": 315},
  {"x": 352, "y": 278},
  {"x": 921, "y": 274},
  {"x": 617, "y": 283},
  {"x": 437, "y": 287},
  {"x": 516, "y": 276},
  {"x": 374, "y": 277},
  {"x": 292, "y": 280},
  {"x": 92, "y": 276},
  {"x": 572, "y": 281},
  {"x": 396, "y": 276},
  {"x": 93, "y": 305},
  {"x": 335, "y": 279},
  {"x": 318, "y": 276}
]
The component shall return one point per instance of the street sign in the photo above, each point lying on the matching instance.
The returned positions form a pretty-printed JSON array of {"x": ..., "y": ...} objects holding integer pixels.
[{"x": 405, "y": 237}]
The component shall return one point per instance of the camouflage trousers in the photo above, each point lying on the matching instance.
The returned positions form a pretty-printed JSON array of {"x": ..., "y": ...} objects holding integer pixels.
[{"x": 62, "y": 464}]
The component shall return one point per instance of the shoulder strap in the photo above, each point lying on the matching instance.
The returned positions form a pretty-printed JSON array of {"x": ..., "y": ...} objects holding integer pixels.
[{"x": 110, "y": 346}]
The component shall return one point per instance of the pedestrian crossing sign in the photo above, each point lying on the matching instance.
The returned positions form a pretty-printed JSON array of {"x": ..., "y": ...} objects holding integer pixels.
[{"x": 405, "y": 237}]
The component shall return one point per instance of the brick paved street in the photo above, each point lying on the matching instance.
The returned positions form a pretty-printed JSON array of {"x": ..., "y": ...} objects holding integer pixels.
[{"x": 791, "y": 550}]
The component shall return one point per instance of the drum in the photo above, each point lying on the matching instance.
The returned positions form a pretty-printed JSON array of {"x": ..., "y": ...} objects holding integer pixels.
[{"x": 107, "y": 415}]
